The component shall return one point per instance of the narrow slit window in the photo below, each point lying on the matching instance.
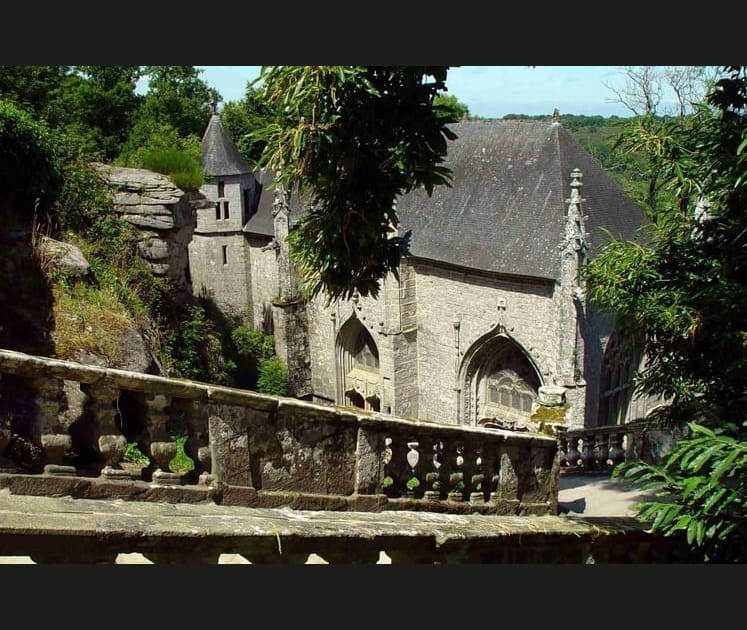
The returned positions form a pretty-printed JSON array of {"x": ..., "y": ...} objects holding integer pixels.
[
  {"x": 225, "y": 210},
  {"x": 225, "y": 254},
  {"x": 221, "y": 189},
  {"x": 217, "y": 210}
]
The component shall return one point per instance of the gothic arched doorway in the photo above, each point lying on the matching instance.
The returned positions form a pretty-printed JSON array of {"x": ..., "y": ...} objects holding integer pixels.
[
  {"x": 499, "y": 381},
  {"x": 358, "y": 377}
]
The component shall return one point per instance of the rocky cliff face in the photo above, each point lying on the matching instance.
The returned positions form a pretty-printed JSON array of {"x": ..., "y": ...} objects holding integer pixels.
[{"x": 164, "y": 215}]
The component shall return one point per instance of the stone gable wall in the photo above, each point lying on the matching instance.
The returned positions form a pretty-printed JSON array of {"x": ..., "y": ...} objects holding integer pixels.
[{"x": 478, "y": 304}]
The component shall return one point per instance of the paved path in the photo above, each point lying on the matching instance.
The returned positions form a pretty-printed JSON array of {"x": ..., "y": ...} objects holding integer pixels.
[{"x": 597, "y": 496}]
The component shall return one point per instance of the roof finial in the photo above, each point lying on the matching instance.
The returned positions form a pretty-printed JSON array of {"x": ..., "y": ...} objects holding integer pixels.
[{"x": 556, "y": 115}]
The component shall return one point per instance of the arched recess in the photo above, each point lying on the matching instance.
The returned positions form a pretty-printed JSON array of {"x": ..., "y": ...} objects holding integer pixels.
[
  {"x": 498, "y": 380},
  {"x": 358, "y": 376},
  {"x": 616, "y": 382}
]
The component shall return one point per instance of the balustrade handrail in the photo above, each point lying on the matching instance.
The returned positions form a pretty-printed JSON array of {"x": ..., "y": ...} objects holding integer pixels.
[
  {"x": 14, "y": 362},
  {"x": 628, "y": 427},
  {"x": 249, "y": 443}
]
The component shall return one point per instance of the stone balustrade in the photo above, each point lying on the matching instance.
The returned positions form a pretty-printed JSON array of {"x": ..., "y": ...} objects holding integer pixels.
[
  {"x": 600, "y": 449},
  {"x": 75, "y": 422}
]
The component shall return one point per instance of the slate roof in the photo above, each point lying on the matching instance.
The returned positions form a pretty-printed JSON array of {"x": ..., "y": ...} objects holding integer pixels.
[
  {"x": 505, "y": 212},
  {"x": 219, "y": 154},
  {"x": 261, "y": 222}
]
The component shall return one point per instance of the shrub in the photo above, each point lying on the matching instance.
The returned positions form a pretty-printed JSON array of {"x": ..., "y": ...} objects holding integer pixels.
[
  {"x": 253, "y": 343},
  {"x": 273, "y": 377},
  {"x": 159, "y": 148},
  {"x": 183, "y": 169},
  {"x": 28, "y": 168}
]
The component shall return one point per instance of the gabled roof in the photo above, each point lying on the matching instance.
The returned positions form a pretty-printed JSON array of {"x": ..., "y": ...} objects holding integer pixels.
[
  {"x": 219, "y": 154},
  {"x": 262, "y": 222},
  {"x": 506, "y": 210}
]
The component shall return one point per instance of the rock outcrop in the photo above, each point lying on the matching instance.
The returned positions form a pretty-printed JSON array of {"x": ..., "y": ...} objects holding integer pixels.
[{"x": 163, "y": 213}]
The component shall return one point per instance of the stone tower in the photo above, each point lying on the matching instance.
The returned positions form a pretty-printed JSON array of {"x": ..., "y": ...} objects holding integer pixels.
[{"x": 219, "y": 253}]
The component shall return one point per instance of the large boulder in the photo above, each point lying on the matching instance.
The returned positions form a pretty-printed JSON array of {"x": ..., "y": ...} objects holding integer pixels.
[
  {"x": 163, "y": 213},
  {"x": 65, "y": 256}
]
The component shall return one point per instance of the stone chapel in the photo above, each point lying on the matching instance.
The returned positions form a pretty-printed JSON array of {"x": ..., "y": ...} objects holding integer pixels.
[{"x": 488, "y": 319}]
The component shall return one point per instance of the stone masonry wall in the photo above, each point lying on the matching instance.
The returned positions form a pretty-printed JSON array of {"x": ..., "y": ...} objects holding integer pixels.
[
  {"x": 419, "y": 364},
  {"x": 234, "y": 186},
  {"x": 324, "y": 323},
  {"x": 479, "y": 304},
  {"x": 263, "y": 279},
  {"x": 223, "y": 280}
]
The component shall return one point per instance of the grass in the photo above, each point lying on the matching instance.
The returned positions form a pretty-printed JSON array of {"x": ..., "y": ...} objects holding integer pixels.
[
  {"x": 89, "y": 319},
  {"x": 181, "y": 463},
  {"x": 181, "y": 167}
]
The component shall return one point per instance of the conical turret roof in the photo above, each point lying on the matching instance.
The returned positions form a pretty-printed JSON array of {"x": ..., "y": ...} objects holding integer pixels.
[{"x": 220, "y": 156}]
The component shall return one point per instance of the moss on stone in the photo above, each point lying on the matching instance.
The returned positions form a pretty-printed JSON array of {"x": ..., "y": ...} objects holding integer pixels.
[{"x": 548, "y": 417}]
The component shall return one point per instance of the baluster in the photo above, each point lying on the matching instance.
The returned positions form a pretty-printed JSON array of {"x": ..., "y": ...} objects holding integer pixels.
[
  {"x": 433, "y": 454},
  {"x": 494, "y": 470},
  {"x": 397, "y": 469},
  {"x": 617, "y": 454},
  {"x": 456, "y": 478},
  {"x": 6, "y": 466},
  {"x": 109, "y": 443},
  {"x": 161, "y": 449},
  {"x": 197, "y": 446},
  {"x": 448, "y": 466},
  {"x": 562, "y": 447},
  {"x": 477, "y": 477},
  {"x": 46, "y": 428},
  {"x": 601, "y": 450},
  {"x": 587, "y": 450},
  {"x": 413, "y": 483},
  {"x": 573, "y": 455}
]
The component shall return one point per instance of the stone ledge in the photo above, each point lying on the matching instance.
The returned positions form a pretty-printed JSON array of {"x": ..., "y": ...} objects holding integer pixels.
[{"x": 66, "y": 529}]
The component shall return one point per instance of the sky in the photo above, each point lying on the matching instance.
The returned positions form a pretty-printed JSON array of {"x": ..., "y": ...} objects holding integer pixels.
[{"x": 492, "y": 91}]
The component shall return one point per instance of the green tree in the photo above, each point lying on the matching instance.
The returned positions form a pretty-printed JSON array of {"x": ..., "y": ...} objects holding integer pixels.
[
  {"x": 244, "y": 121},
  {"x": 683, "y": 302},
  {"x": 642, "y": 93},
  {"x": 273, "y": 377},
  {"x": 177, "y": 97},
  {"x": 352, "y": 139},
  {"x": 451, "y": 104},
  {"x": 98, "y": 103},
  {"x": 32, "y": 88},
  {"x": 30, "y": 176}
]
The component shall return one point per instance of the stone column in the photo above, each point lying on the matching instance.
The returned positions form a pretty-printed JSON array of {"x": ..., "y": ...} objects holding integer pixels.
[
  {"x": 161, "y": 448},
  {"x": 369, "y": 463},
  {"x": 197, "y": 446},
  {"x": 109, "y": 443},
  {"x": 572, "y": 304},
  {"x": 507, "y": 490},
  {"x": 47, "y": 430}
]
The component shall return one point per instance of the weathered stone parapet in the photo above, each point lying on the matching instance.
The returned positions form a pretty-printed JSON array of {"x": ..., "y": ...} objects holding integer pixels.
[
  {"x": 257, "y": 449},
  {"x": 600, "y": 449},
  {"x": 79, "y": 530}
]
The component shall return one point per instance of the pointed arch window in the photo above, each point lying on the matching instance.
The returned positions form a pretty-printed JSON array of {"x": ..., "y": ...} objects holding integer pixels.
[
  {"x": 616, "y": 387},
  {"x": 359, "y": 381}
]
